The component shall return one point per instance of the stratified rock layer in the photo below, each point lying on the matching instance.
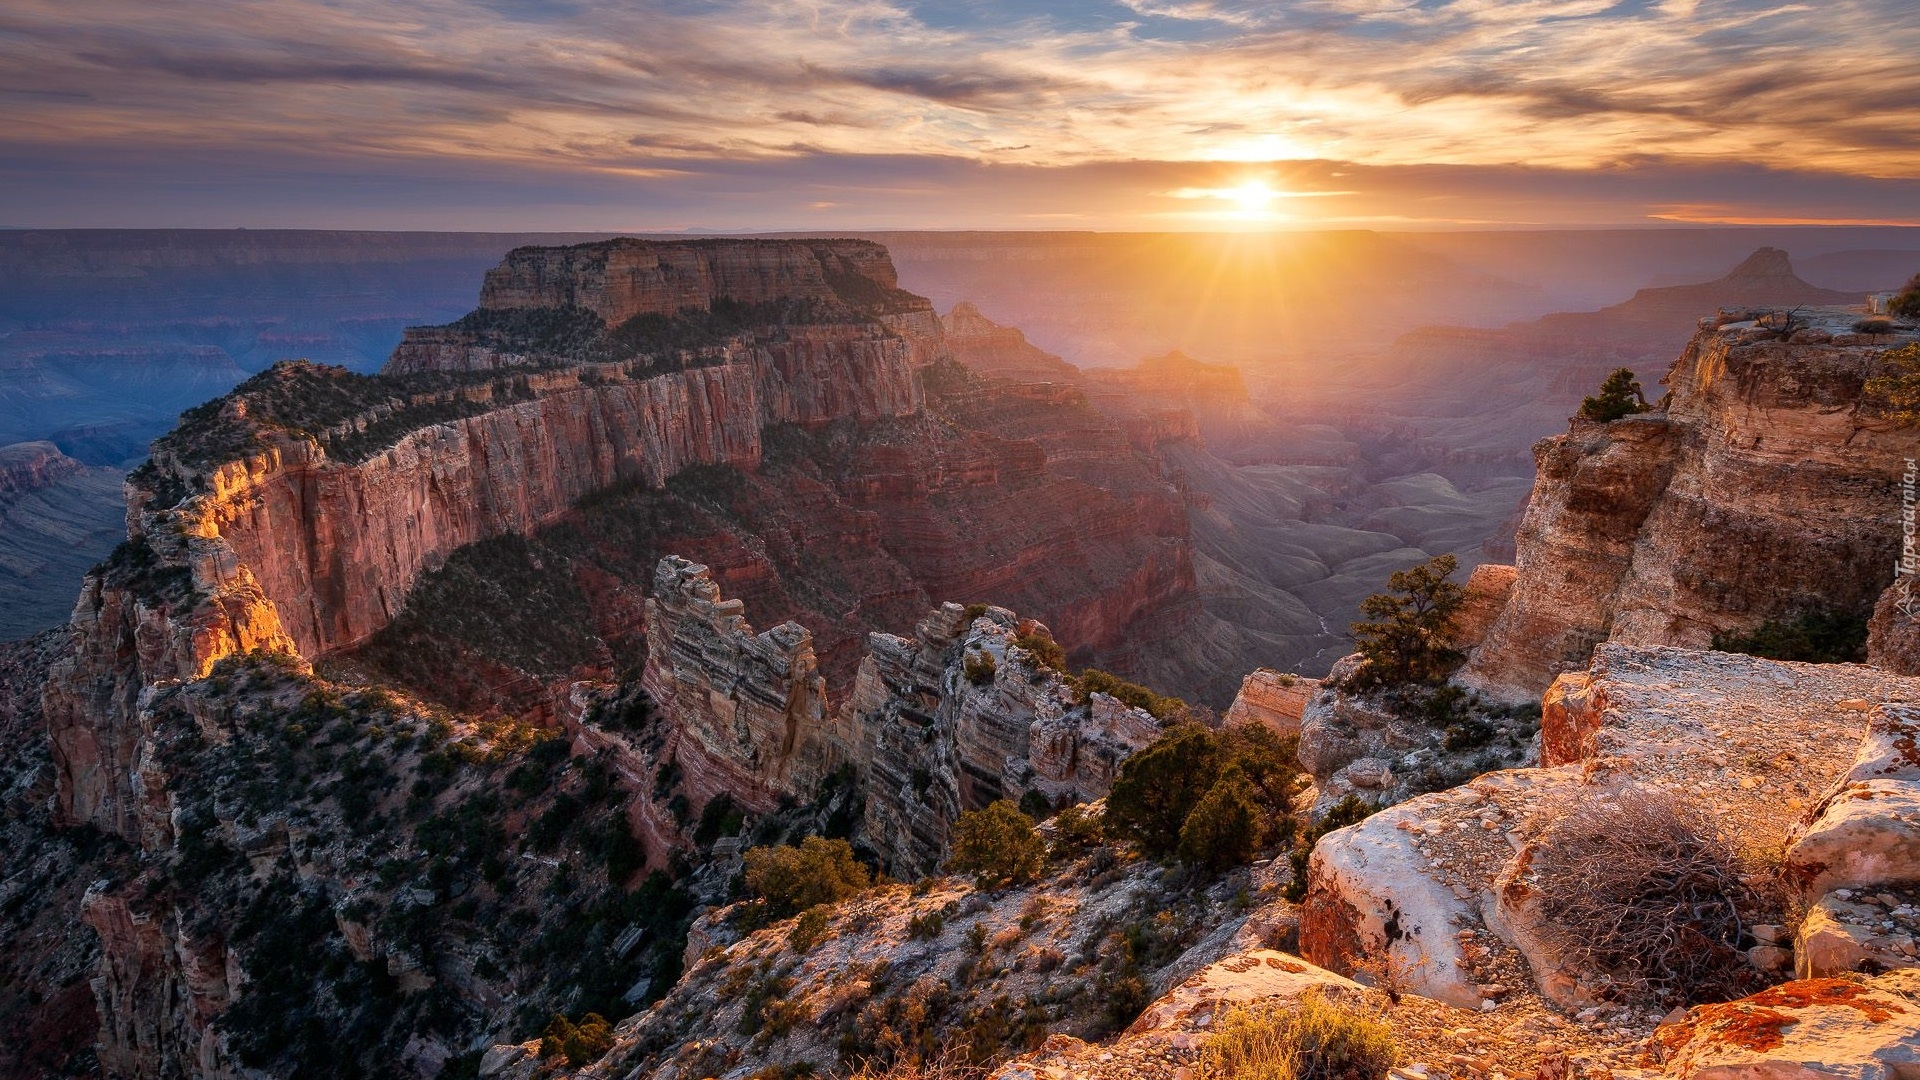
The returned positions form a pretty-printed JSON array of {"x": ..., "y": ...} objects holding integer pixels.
[
  {"x": 961, "y": 715},
  {"x": 1768, "y": 489}
]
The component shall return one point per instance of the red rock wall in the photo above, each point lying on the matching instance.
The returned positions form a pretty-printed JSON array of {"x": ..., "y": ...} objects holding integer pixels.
[
  {"x": 623, "y": 278},
  {"x": 1769, "y": 488}
]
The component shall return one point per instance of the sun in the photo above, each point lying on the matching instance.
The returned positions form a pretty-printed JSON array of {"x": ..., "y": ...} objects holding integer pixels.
[{"x": 1252, "y": 197}]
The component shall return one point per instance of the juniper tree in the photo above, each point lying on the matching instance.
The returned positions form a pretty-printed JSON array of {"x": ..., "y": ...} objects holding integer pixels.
[
  {"x": 1408, "y": 635},
  {"x": 1620, "y": 395}
]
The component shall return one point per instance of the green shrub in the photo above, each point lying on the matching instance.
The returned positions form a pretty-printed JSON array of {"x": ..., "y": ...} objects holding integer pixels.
[
  {"x": 1313, "y": 1039},
  {"x": 1035, "y": 804},
  {"x": 1045, "y": 651},
  {"x": 926, "y": 927},
  {"x": 1408, "y": 637},
  {"x": 1620, "y": 395},
  {"x": 809, "y": 929},
  {"x": 1093, "y": 681},
  {"x": 793, "y": 879},
  {"x": 581, "y": 1044},
  {"x": 1906, "y": 302},
  {"x": 1895, "y": 390},
  {"x": 720, "y": 817},
  {"x": 980, "y": 668},
  {"x": 998, "y": 846},
  {"x": 1814, "y": 637},
  {"x": 1160, "y": 788},
  {"x": 1075, "y": 828},
  {"x": 1226, "y": 827}
]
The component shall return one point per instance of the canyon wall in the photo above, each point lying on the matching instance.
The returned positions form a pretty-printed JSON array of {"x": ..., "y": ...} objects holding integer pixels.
[
  {"x": 1768, "y": 488},
  {"x": 964, "y": 713},
  {"x": 959, "y": 715},
  {"x": 619, "y": 279},
  {"x": 280, "y": 544},
  {"x": 749, "y": 710}
]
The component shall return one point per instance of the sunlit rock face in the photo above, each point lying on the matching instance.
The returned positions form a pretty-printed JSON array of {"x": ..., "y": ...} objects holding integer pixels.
[
  {"x": 1767, "y": 488},
  {"x": 962, "y": 714},
  {"x": 619, "y": 279},
  {"x": 256, "y": 536},
  {"x": 749, "y": 710},
  {"x": 1800, "y": 757}
]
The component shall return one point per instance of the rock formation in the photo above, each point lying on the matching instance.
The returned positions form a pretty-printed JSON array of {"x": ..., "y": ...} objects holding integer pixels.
[
  {"x": 952, "y": 719},
  {"x": 1766, "y": 490},
  {"x": 1439, "y": 885},
  {"x": 750, "y": 710},
  {"x": 276, "y": 542},
  {"x": 963, "y": 714},
  {"x": 1273, "y": 698}
]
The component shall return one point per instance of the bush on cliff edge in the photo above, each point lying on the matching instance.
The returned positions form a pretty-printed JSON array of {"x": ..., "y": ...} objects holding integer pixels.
[
  {"x": 1620, "y": 395},
  {"x": 1408, "y": 637},
  {"x": 998, "y": 846},
  {"x": 1241, "y": 777},
  {"x": 792, "y": 879},
  {"x": 1895, "y": 391}
]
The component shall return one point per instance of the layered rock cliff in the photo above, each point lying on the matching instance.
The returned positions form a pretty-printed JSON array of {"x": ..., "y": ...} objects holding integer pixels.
[
  {"x": 1767, "y": 489},
  {"x": 960, "y": 715},
  {"x": 297, "y": 513}
]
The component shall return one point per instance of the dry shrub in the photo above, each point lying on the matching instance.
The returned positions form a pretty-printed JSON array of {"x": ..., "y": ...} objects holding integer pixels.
[
  {"x": 1315, "y": 1039},
  {"x": 1644, "y": 890},
  {"x": 945, "y": 1067}
]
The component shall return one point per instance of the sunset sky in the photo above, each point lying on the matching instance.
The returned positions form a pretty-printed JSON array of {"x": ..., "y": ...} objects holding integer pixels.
[{"x": 1111, "y": 114}]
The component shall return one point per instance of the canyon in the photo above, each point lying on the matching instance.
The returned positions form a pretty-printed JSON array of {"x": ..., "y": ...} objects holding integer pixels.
[{"x": 419, "y": 708}]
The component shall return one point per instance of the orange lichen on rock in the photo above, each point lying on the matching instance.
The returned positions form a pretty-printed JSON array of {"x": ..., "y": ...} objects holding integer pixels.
[{"x": 1756, "y": 1023}]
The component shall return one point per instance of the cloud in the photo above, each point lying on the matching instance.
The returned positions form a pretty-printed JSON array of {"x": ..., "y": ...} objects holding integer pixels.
[{"x": 588, "y": 92}]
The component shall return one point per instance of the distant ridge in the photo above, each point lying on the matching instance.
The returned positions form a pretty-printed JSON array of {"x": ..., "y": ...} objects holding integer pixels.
[{"x": 1764, "y": 279}]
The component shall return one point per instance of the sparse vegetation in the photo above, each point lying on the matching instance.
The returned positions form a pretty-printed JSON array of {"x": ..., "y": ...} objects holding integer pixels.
[
  {"x": 1314, "y": 1039},
  {"x": 809, "y": 929},
  {"x": 980, "y": 668},
  {"x": 1045, "y": 651},
  {"x": 581, "y": 1044},
  {"x": 998, "y": 846},
  {"x": 1408, "y": 636},
  {"x": 1895, "y": 388},
  {"x": 1814, "y": 637},
  {"x": 792, "y": 879},
  {"x": 1643, "y": 891},
  {"x": 1906, "y": 302},
  {"x": 1620, "y": 395},
  {"x": 1075, "y": 829},
  {"x": 1160, "y": 788},
  {"x": 1159, "y": 706}
]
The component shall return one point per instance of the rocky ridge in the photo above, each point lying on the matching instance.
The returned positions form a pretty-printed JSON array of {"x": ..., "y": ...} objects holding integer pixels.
[
  {"x": 960, "y": 715},
  {"x": 1768, "y": 488}
]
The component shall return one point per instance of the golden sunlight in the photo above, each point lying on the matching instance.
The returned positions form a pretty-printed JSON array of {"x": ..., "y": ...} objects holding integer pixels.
[{"x": 1251, "y": 197}]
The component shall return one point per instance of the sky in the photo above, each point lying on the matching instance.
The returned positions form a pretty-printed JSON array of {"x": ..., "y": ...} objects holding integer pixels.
[{"x": 827, "y": 114}]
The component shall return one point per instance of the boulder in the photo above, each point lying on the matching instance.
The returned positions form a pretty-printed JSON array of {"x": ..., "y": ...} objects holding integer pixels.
[
  {"x": 1867, "y": 830},
  {"x": 1273, "y": 698},
  {"x": 1806, "y": 1030},
  {"x": 1838, "y": 935}
]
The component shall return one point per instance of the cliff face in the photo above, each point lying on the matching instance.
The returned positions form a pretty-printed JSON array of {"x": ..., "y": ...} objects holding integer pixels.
[
  {"x": 619, "y": 279},
  {"x": 749, "y": 709},
  {"x": 273, "y": 530},
  {"x": 1766, "y": 490},
  {"x": 962, "y": 714},
  {"x": 951, "y": 719}
]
